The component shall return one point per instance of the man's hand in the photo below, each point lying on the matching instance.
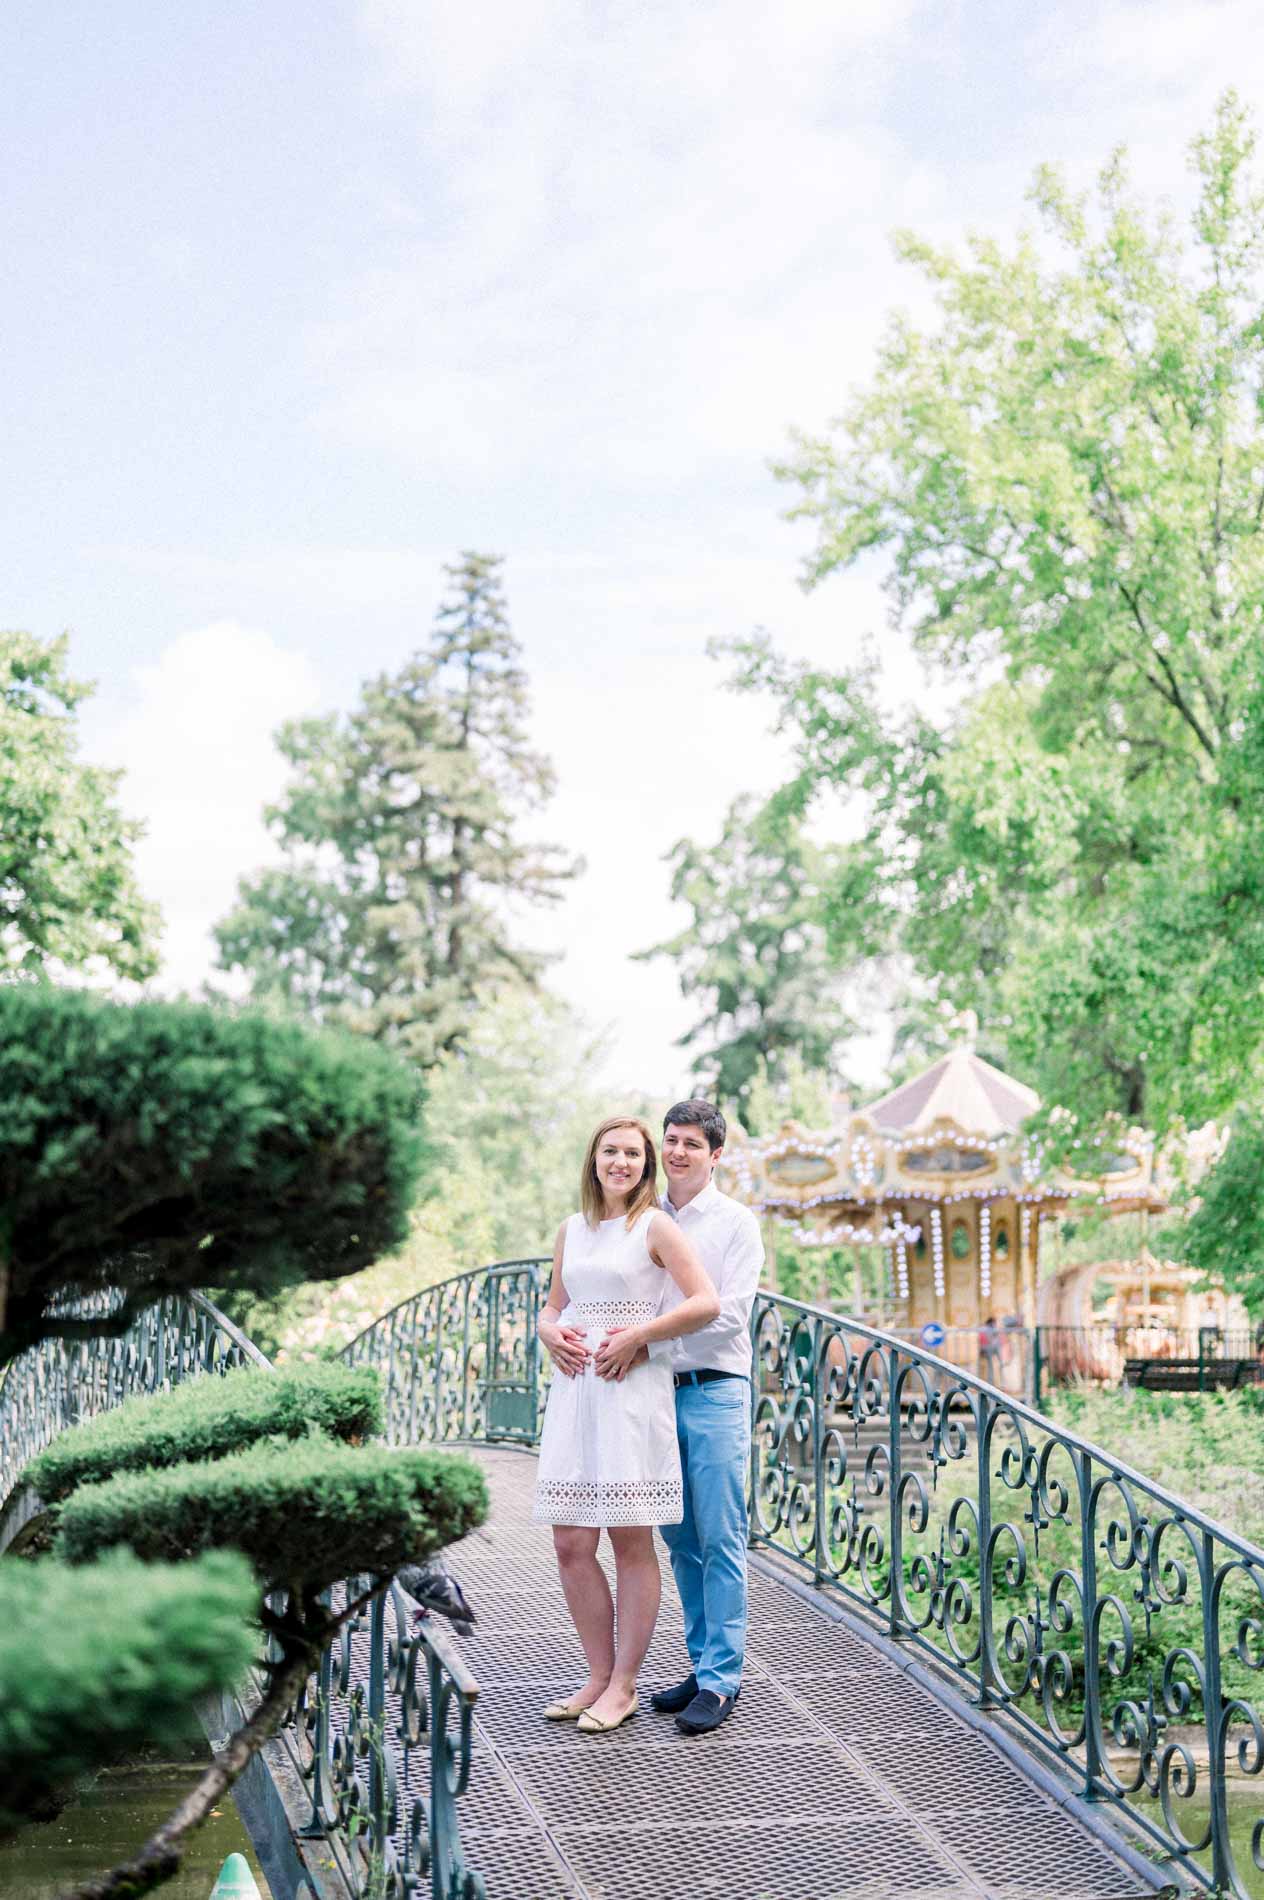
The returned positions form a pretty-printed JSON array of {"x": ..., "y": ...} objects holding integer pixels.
[
  {"x": 565, "y": 1346},
  {"x": 620, "y": 1350}
]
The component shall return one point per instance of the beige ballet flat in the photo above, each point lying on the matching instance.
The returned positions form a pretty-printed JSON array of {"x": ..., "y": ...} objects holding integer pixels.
[
  {"x": 563, "y": 1711},
  {"x": 590, "y": 1724}
]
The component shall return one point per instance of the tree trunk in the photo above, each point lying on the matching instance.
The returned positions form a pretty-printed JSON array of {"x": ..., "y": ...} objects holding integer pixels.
[{"x": 162, "y": 1853}]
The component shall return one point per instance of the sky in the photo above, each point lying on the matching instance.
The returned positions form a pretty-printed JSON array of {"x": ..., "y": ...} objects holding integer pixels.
[{"x": 301, "y": 300}]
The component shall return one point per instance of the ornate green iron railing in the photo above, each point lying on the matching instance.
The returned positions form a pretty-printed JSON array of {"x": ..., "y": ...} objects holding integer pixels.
[
  {"x": 383, "y": 1736},
  {"x": 1117, "y": 1628},
  {"x": 388, "y": 1722},
  {"x": 460, "y": 1360}
]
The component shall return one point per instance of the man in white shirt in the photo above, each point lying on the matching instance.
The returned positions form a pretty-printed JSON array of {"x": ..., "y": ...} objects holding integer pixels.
[{"x": 713, "y": 1399}]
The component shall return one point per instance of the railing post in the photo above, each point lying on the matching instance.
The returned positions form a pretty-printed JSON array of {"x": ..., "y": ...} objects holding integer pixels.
[
  {"x": 895, "y": 1508},
  {"x": 1037, "y": 1366},
  {"x": 1092, "y": 1632},
  {"x": 448, "y": 1874},
  {"x": 984, "y": 1478},
  {"x": 465, "y": 1359},
  {"x": 316, "y": 1824},
  {"x": 414, "y": 1328},
  {"x": 820, "y": 1384},
  {"x": 378, "y": 1793},
  {"x": 532, "y": 1348},
  {"x": 1214, "y": 1718}
]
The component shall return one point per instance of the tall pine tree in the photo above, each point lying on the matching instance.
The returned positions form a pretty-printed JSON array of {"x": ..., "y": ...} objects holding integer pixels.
[{"x": 400, "y": 833}]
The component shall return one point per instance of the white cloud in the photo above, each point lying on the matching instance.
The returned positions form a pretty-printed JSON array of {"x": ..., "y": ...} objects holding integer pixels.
[
  {"x": 652, "y": 236},
  {"x": 196, "y": 744}
]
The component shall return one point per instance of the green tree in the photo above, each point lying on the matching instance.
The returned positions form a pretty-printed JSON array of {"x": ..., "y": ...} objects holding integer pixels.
[
  {"x": 1063, "y": 477},
  {"x": 68, "y": 892},
  {"x": 1225, "y": 1232},
  {"x": 754, "y": 951},
  {"x": 508, "y": 1116},
  {"x": 162, "y": 1146},
  {"x": 400, "y": 828}
]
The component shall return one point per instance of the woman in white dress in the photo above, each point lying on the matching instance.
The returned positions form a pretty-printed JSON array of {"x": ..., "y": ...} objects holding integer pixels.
[{"x": 608, "y": 1453}]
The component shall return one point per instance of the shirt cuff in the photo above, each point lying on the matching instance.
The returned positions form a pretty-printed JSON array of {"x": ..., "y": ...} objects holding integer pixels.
[{"x": 660, "y": 1351}]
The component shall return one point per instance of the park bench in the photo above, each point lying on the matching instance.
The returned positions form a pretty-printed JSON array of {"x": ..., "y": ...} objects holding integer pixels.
[{"x": 1192, "y": 1375}]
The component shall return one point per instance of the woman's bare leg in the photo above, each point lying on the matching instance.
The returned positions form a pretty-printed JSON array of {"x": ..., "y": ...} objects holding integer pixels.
[
  {"x": 639, "y": 1586},
  {"x": 589, "y": 1601}
]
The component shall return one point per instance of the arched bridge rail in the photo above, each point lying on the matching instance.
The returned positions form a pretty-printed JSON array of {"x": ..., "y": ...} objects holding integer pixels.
[{"x": 1114, "y": 1628}]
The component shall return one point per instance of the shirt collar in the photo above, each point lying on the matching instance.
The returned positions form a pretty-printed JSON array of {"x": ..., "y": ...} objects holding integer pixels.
[{"x": 701, "y": 1201}]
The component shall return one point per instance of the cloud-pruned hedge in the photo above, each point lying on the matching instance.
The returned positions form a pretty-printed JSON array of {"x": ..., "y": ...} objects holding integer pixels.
[
  {"x": 154, "y": 1147},
  {"x": 306, "y": 1512},
  {"x": 208, "y": 1419}
]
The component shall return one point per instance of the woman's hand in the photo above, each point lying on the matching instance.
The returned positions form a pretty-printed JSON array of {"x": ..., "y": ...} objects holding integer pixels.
[
  {"x": 565, "y": 1346},
  {"x": 622, "y": 1348}
]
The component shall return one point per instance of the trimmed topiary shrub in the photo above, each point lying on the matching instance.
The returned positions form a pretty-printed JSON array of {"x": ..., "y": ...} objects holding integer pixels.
[
  {"x": 97, "y": 1660},
  {"x": 306, "y": 1513},
  {"x": 211, "y": 1418},
  {"x": 155, "y": 1147}
]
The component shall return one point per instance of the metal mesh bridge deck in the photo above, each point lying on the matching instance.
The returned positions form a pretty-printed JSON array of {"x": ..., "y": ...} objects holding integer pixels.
[{"x": 837, "y": 1778}]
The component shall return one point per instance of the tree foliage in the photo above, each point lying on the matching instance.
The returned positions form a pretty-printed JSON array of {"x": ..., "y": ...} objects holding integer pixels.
[
  {"x": 401, "y": 833},
  {"x": 159, "y": 1145},
  {"x": 1225, "y": 1233},
  {"x": 68, "y": 892},
  {"x": 754, "y": 951},
  {"x": 210, "y": 1418},
  {"x": 97, "y": 1661},
  {"x": 1064, "y": 477}
]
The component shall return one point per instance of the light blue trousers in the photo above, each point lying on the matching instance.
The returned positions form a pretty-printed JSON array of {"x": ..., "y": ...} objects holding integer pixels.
[{"x": 708, "y": 1546}]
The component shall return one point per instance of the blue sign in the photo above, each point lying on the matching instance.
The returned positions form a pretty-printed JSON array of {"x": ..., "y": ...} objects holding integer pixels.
[{"x": 932, "y": 1334}]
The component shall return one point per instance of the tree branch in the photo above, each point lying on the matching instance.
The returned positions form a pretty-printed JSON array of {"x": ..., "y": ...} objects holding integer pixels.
[
  {"x": 162, "y": 1853},
  {"x": 1172, "y": 691}
]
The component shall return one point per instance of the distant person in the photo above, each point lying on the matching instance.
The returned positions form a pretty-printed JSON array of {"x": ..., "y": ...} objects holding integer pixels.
[
  {"x": 990, "y": 1351},
  {"x": 608, "y": 1452},
  {"x": 712, "y": 1370}
]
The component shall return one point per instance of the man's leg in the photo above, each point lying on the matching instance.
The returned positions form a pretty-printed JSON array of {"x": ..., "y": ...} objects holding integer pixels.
[
  {"x": 718, "y": 1427},
  {"x": 682, "y": 1547}
]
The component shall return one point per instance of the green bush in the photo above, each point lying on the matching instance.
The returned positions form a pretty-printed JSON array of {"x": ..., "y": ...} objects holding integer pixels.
[
  {"x": 209, "y": 1418},
  {"x": 305, "y": 1513},
  {"x": 160, "y": 1146},
  {"x": 95, "y": 1661}
]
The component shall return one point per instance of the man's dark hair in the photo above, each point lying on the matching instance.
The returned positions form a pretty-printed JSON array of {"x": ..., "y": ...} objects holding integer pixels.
[{"x": 698, "y": 1114}]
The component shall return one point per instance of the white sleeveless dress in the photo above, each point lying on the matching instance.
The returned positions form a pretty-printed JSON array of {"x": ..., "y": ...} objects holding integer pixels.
[{"x": 608, "y": 1451}]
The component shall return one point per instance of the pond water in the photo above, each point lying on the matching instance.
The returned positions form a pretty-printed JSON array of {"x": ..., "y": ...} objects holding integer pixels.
[
  {"x": 1246, "y": 1810},
  {"x": 111, "y": 1820}
]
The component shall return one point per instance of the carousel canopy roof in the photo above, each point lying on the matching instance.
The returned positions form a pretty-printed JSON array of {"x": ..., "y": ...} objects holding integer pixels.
[{"x": 962, "y": 1088}]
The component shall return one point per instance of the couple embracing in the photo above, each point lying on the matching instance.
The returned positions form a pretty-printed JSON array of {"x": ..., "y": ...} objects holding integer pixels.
[{"x": 648, "y": 1421}]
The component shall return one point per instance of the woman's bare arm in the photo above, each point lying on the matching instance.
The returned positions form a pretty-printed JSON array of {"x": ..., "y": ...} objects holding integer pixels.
[{"x": 564, "y": 1344}]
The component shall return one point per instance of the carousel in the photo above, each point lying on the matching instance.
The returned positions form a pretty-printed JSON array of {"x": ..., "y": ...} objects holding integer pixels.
[{"x": 940, "y": 1174}]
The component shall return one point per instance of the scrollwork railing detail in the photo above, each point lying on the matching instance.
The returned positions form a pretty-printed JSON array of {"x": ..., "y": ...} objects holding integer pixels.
[{"x": 1117, "y": 1627}]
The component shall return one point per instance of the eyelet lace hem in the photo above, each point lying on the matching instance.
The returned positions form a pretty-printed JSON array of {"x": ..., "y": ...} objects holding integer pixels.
[
  {"x": 613, "y": 1312},
  {"x": 596, "y": 1503}
]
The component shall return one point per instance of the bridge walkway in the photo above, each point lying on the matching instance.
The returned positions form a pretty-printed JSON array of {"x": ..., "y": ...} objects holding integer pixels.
[{"x": 838, "y": 1778}]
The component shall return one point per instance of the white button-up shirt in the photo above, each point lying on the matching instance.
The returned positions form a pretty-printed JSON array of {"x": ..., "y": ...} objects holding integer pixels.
[{"x": 731, "y": 1248}]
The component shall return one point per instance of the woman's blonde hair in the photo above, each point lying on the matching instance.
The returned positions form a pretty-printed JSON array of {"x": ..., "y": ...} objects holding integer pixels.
[{"x": 643, "y": 1195}]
